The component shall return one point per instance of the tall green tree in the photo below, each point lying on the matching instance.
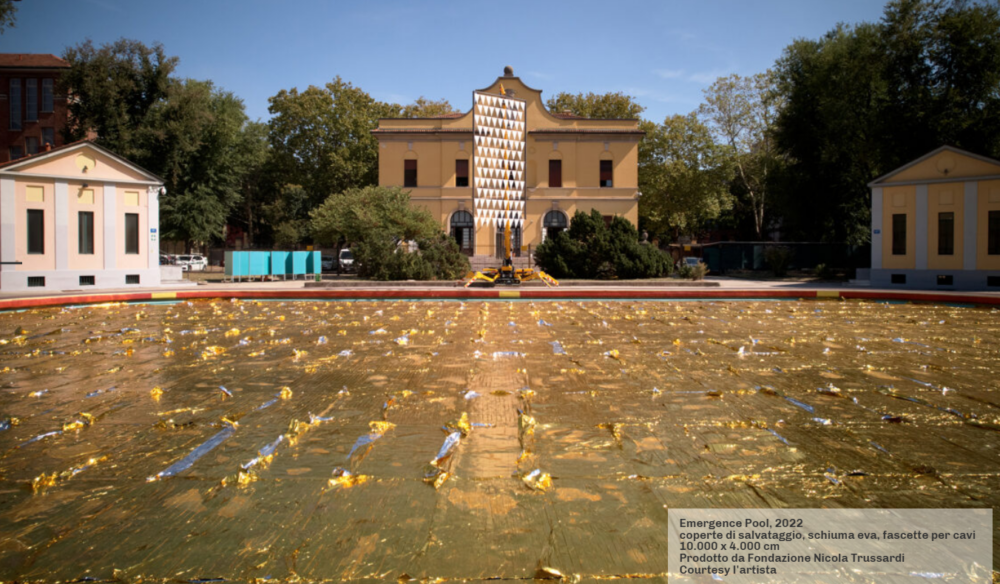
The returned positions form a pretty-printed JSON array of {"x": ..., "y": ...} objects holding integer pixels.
[
  {"x": 863, "y": 100},
  {"x": 832, "y": 130},
  {"x": 741, "y": 112},
  {"x": 321, "y": 138},
  {"x": 200, "y": 140},
  {"x": 684, "y": 178},
  {"x": 115, "y": 88}
]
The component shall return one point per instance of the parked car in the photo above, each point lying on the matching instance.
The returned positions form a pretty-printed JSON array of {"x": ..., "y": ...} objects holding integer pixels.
[
  {"x": 692, "y": 261},
  {"x": 346, "y": 261},
  {"x": 328, "y": 263},
  {"x": 192, "y": 263},
  {"x": 167, "y": 259}
]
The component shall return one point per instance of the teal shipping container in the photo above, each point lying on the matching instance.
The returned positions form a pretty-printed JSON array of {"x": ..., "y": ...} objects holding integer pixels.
[
  {"x": 299, "y": 261},
  {"x": 237, "y": 264},
  {"x": 260, "y": 263},
  {"x": 281, "y": 263},
  {"x": 314, "y": 262}
]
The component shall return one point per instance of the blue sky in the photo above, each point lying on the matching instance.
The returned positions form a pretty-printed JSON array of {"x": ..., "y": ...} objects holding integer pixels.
[{"x": 662, "y": 52}]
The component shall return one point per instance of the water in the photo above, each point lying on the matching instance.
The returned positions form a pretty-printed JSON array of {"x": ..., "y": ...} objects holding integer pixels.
[{"x": 913, "y": 425}]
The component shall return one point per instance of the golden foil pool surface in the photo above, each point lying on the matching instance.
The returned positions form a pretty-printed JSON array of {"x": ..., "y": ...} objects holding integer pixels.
[{"x": 379, "y": 441}]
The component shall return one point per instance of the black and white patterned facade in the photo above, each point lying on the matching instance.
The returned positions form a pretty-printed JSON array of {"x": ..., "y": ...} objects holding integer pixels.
[{"x": 498, "y": 164}]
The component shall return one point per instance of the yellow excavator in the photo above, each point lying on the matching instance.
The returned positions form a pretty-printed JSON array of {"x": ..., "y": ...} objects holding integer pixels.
[{"x": 506, "y": 274}]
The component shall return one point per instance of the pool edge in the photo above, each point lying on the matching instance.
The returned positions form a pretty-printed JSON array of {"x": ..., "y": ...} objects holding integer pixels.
[{"x": 499, "y": 294}]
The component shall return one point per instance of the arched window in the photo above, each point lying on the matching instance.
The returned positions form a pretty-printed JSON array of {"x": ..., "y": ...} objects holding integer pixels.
[
  {"x": 462, "y": 230},
  {"x": 553, "y": 223}
]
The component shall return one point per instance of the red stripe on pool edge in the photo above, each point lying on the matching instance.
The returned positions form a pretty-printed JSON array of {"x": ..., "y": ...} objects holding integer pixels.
[{"x": 480, "y": 294}]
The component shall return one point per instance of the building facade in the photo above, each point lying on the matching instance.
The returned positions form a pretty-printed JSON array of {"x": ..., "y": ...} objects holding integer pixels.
[
  {"x": 78, "y": 217},
  {"x": 33, "y": 112},
  {"x": 936, "y": 223},
  {"x": 572, "y": 163}
]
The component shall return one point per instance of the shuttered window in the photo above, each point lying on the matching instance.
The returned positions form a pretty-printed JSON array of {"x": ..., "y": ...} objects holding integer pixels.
[
  {"x": 409, "y": 173},
  {"x": 555, "y": 173},
  {"x": 606, "y": 174}
]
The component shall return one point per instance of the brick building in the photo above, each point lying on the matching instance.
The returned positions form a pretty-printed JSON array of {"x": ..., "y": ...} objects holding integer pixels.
[{"x": 32, "y": 110}]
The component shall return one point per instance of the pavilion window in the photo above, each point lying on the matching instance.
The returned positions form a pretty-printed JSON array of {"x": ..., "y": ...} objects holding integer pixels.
[
  {"x": 131, "y": 233},
  {"x": 85, "y": 232},
  {"x": 994, "y": 233},
  {"x": 899, "y": 234},
  {"x": 36, "y": 231},
  {"x": 409, "y": 173},
  {"x": 946, "y": 233}
]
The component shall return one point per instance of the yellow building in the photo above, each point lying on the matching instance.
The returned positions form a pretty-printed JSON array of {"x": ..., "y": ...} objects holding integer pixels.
[
  {"x": 573, "y": 163},
  {"x": 936, "y": 223}
]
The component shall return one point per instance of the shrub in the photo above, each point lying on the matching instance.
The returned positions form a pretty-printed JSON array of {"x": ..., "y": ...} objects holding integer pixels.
[
  {"x": 778, "y": 257},
  {"x": 590, "y": 249},
  {"x": 699, "y": 271},
  {"x": 825, "y": 272},
  {"x": 374, "y": 220},
  {"x": 685, "y": 271}
]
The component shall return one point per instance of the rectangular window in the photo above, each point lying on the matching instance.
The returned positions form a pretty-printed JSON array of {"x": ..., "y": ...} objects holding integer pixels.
[
  {"x": 948, "y": 280},
  {"x": 16, "y": 152},
  {"x": 85, "y": 232},
  {"x": 31, "y": 145},
  {"x": 49, "y": 137},
  {"x": 36, "y": 231},
  {"x": 36, "y": 281},
  {"x": 606, "y": 174},
  {"x": 47, "y": 96},
  {"x": 31, "y": 100},
  {"x": 132, "y": 279},
  {"x": 87, "y": 280},
  {"x": 946, "y": 233},
  {"x": 461, "y": 173},
  {"x": 15, "y": 104},
  {"x": 409, "y": 173},
  {"x": 897, "y": 279},
  {"x": 899, "y": 234},
  {"x": 555, "y": 174},
  {"x": 131, "y": 233},
  {"x": 993, "y": 281},
  {"x": 994, "y": 233}
]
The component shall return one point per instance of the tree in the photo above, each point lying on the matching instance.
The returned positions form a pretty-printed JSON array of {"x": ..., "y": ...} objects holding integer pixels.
[
  {"x": 684, "y": 177},
  {"x": 8, "y": 15},
  {"x": 200, "y": 141},
  {"x": 284, "y": 215},
  {"x": 832, "y": 132},
  {"x": 592, "y": 249},
  {"x": 596, "y": 106},
  {"x": 114, "y": 89},
  {"x": 741, "y": 112},
  {"x": 427, "y": 108},
  {"x": 374, "y": 221},
  {"x": 942, "y": 73},
  {"x": 321, "y": 138},
  {"x": 863, "y": 100}
]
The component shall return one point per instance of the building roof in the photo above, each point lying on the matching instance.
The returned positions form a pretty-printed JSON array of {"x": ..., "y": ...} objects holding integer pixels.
[
  {"x": 30, "y": 159},
  {"x": 32, "y": 61},
  {"x": 884, "y": 178}
]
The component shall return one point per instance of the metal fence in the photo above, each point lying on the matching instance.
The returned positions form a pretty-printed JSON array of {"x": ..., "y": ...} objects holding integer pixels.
[{"x": 726, "y": 256}]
